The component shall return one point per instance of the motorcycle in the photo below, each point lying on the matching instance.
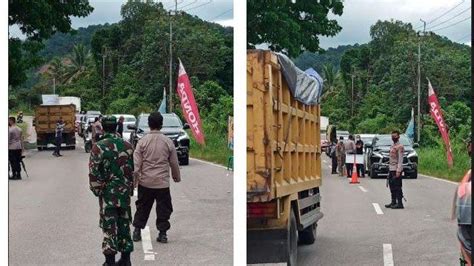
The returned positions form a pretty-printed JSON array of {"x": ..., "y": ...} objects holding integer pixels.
[{"x": 19, "y": 118}]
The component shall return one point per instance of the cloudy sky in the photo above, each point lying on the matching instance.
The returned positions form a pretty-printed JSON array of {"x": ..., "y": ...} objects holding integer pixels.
[
  {"x": 108, "y": 11},
  {"x": 356, "y": 20},
  {"x": 359, "y": 15}
]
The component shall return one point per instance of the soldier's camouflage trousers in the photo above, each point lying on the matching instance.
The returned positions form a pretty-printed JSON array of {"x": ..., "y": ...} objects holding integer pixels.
[{"x": 115, "y": 224}]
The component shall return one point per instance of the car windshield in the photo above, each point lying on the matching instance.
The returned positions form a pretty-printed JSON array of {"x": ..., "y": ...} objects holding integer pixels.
[
  {"x": 130, "y": 119},
  {"x": 386, "y": 140},
  {"x": 171, "y": 121}
]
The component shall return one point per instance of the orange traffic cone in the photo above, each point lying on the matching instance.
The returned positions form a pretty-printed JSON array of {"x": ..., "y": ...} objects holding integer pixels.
[{"x": 354, "y": 178}]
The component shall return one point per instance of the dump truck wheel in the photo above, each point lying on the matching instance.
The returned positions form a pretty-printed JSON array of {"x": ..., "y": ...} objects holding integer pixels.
[
  {"x": 292, "y": 241},
  {"x": 308, "y": 235}
]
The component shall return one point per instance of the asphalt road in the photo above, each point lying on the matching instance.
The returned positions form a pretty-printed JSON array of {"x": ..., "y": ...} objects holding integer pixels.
[
  {"x": 53, "y": 216},
  {"x": 353, "y": 233}
]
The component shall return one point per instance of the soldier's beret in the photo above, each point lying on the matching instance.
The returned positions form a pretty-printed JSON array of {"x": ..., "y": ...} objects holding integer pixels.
[{"x": 109, "y": 120}]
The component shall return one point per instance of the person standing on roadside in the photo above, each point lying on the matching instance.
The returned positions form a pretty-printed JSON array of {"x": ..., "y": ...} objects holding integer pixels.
[
  {"x": 59, "y": 137},
  {"x": 350, "y": 149},
  {"x": 120, "y": 126},
  {"x": 332, "y": 153},
  {"x": 341, "y": 156},
  {"x": 154, "y": 156},
  {"x": 97, "y": 130},
  {"x": 111, "y": 180},
  {"x": 395, "y": 172},
  {"x": 15, "y": 148},
  {"x": 360, "y": 151},
  {"x": 462, "y": 212}
]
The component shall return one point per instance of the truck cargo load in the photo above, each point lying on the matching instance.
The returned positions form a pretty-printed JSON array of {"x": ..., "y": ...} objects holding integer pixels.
[
  {"x": 50, "y": 99},
  {"x": 46, "y": 117},
  {"x": 283, "y": 158}
]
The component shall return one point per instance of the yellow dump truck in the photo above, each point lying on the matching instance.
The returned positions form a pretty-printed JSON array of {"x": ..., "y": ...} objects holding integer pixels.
[
  {"x": 283, "y": 158},
  {"x": 46, "y": 117}
]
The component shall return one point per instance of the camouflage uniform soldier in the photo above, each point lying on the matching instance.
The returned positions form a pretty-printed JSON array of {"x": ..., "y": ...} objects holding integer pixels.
[
  {"x": 395, "y": 172},
  {"x": 111, "y": 179}
]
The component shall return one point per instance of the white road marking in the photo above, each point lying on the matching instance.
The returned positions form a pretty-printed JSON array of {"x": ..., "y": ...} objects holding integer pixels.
[
  {"x": 387, "y": 255},
  {"x": 146, "y": 242},
  {"x": 206, "y": 162},
  {"x": 363, "y": 189},
  {"x": 377, "y": 208},
  {"x": 439, "y": 179}
]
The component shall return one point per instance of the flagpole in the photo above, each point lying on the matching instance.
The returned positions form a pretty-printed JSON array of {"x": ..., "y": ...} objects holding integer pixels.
[
  {"x": 418, "y": 128},
  {"x": 171, "y": 59}
]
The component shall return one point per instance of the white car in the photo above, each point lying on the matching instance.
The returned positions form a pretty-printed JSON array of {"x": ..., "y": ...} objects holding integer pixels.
[{"x": 128, "y": 120}]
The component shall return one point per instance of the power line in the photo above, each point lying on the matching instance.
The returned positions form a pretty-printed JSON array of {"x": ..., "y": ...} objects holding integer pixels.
[
  {"x": 210, "y": 1},
  {"x": 452, "y": 24},
  {"x": 192, "y": 3},
  {"x": 453, "y": 17},
  {"x": 221, "y": 14},
  {"x": 451, "y": 9}
]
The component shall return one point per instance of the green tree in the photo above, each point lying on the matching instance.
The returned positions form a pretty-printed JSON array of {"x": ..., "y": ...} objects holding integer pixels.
[
  {"x": 38, "y": 20},
  {"x": 78, "y": 63},
  {"x": 291, "y": 27}
]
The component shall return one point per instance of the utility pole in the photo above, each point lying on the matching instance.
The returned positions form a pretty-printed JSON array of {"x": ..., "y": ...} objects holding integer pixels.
[
  {"x": 54, "y": 85},
  {"x": 418, "y": 128},
  {"x": 352, "y": 102},
  {"x": 171, "y": 57},
  {"x": 104, "y": 55}
]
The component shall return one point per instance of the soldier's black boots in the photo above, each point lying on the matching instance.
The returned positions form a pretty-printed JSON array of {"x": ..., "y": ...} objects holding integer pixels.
[
  {"x": 162, "y": 238},
  {"x": 137, "y": 236},
  {"x": 124, "y": 259},
  {"x": 109, "y": 260}
]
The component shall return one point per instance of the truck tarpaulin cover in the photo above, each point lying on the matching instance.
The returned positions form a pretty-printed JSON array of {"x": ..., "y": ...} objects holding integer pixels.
[{"x": 305, "y": 87}]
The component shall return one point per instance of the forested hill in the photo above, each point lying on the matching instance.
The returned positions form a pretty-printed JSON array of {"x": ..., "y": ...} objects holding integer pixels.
[
  {"x": 61, "y": 44},
  {"x": 332, "y": 56},
  {"x": 384, "y": 71}
]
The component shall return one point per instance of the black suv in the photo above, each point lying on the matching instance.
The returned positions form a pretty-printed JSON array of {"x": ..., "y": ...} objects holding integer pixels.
[
  {"x": 173, "y": 128},
  {"x": 378, "y": 156}
]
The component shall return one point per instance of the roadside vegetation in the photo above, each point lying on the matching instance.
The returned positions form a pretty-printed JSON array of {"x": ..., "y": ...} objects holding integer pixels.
[
  {"x": 384, "y": 74},
  {"x": 124, "y": 67}
]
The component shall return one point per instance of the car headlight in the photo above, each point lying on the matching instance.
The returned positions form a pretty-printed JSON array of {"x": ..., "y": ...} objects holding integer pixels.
[
  {"x": 411, "y": 154},
  {"x": 182, "y": 134}
]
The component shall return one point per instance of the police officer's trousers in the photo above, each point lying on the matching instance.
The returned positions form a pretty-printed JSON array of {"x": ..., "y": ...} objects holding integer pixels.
[
  {"x": 395, "y": 184},
  {"x": 164, "y": 208}
]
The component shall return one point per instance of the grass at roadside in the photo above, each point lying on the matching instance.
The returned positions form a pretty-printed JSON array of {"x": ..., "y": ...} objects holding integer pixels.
[
  {"x": 432, "y": 161},
  {"x": 215, "y": 151}
]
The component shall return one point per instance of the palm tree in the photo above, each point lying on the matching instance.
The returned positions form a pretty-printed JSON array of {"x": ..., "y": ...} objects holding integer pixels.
[
  {"x": 78, "y": 62},
  {"x": 330, "y": 78},
  {"x": 56, "y": 70}
]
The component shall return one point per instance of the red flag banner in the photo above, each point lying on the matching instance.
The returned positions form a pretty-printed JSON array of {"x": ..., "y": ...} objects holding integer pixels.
[
  {"x": 188, "y": 104},
  {"x": 435, "y": 111}
]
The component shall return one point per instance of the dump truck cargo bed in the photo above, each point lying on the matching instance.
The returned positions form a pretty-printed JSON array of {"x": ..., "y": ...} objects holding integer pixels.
[{"x": 283, "y": 135}]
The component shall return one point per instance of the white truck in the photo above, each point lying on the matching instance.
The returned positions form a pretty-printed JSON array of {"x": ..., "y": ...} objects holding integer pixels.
[{"x": 66, "y": 100}]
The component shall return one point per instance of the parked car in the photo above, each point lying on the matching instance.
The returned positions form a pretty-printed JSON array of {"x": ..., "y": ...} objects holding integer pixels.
[
  {"x": 78, "y": 122},
  {"x": 172, "y": 128},
  {"x": 128, "y": 120},
  {"x": 366, "y": 138},
  {"x": 86, "y": 120},
  {"x": 378, "y": 156}
]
